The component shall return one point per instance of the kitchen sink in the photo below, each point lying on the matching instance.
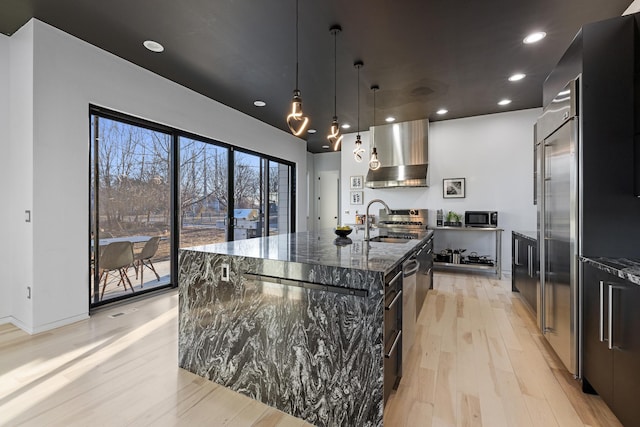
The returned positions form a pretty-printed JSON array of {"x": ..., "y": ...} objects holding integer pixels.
[{"x": 385, "y": 239}]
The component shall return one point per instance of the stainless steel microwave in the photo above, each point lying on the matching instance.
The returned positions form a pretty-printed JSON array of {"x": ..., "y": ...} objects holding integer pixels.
[{"x": 481, "y": 218}]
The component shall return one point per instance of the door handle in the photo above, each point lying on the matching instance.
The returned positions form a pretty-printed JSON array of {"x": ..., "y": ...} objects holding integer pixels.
[
  {"x": 611, "y": 289},
  {"x": 517, "y": 251},
  {"x": 601, "y": 311},
  {"x": 530, "y": 260}
]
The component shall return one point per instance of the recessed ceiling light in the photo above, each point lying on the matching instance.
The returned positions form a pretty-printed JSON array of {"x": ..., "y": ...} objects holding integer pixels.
[
  {"x": 346, "y": 126},
  {"x": 326, "y": 147},
  {"x": 311, "y": 131},
  {"x": 516, "y": 77},
  {"x": 504, "y": 102},
  {"x": 153, "y": 46},
  {"x": 534, "y": 37},
  {"x": 442, "y": 111},
  {"x": 390, "y": 119},
  {"x": 259, "y": 103}
]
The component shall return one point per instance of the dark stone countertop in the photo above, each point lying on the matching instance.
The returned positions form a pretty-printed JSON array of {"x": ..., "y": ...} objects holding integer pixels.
[
  {"x": 624, "y": 268},
  {"x": 322, "y": 248},
  {"x": 528, "y": 234}
]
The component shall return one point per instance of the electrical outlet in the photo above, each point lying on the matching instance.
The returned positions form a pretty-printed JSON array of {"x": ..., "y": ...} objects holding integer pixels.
[{"x": 225, "y": 273}]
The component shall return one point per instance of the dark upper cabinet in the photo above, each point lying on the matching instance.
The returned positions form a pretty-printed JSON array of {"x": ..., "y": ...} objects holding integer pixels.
[
  {"x": 524, "y": 268},
  {"x": 611, "y": 342}
]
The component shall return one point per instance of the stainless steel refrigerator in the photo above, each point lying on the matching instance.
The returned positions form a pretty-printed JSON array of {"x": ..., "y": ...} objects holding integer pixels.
[{"x": 558, "y": 172}]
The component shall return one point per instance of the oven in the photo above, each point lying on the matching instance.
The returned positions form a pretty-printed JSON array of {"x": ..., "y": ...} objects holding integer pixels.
[{"x": 403, "y": 223}]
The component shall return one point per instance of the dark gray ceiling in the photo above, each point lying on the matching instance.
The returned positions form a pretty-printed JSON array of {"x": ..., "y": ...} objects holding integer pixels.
[{"x": 424, "y": 54}]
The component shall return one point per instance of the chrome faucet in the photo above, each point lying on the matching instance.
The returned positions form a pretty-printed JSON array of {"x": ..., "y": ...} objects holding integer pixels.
[{"x": 366, "y": 220}]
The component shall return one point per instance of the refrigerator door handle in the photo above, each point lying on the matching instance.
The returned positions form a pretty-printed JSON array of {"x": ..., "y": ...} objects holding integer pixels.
[
  {"x": 602, "y": 311},
  {"x": 611, "y": 288},
  {"x": 530, "y": 260},
  {"x": 517, "y": 251}
]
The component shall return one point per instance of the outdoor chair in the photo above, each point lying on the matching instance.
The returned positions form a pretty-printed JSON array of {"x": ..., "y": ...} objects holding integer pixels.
[
  {"x": 143, "y": 258},
  {"x": 116, "y": 256}
]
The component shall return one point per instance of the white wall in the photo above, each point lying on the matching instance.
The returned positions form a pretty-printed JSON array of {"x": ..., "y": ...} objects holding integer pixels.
[
  {"x": 633, "y": 8},
  {"x": 68, "y": 75},
  {"x": 494, "y": 153},
  {"x": 5, "y": 265}
]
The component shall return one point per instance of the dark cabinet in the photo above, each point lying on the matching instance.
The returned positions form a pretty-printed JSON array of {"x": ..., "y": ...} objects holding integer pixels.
[
  {"x": 525, "y": 268},
  {"x": 611, "y": 342},
  {"x": 392, "y": 331}
]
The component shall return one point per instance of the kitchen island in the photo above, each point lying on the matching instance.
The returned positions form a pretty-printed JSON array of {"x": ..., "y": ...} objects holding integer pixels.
[{"x": 294, "y": 321}]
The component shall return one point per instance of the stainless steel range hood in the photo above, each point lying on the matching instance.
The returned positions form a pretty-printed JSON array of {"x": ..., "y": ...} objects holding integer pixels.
[{"x": 403, "y": 150}]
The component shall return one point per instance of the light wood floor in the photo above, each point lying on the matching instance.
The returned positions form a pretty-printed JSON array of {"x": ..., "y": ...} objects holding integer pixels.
[{"x": 478, "y": 360}]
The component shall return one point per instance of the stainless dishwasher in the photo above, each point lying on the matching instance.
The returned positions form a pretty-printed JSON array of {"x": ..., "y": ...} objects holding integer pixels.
[{"x": 410, "y": 270}]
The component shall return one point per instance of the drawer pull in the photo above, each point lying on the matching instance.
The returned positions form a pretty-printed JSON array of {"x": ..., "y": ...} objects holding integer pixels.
[
  {"x": 396, "y": 277},
  {"x": 394, "y": 345},
  {"x": 395, "y": 300}
]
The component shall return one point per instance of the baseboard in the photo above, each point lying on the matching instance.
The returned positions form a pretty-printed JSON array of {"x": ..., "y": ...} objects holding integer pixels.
[
  {"x": 6, "y": 319},
  {"x": 61, "y": 322},
  {"x": 20, "y": 324},
  {"x": 47, "y": 326}
]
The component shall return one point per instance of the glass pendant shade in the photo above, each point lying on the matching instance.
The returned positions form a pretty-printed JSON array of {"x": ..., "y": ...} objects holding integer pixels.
[
  {"x": 374, "y": 163},
  {"x": 296, "y": 120},
  {"x": 358, "y": 151},
  {"x": 335, "y": 137}
]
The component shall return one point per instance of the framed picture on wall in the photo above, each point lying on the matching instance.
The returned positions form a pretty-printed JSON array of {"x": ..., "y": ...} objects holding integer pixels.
[
  {"x": 356, "y": 197},
  {"x": 453, "y": 188},
  {"x": 357, "y": 182}
]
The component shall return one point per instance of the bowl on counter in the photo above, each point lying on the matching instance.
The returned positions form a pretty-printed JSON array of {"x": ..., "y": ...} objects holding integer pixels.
[{"x": 343, "y": 232}]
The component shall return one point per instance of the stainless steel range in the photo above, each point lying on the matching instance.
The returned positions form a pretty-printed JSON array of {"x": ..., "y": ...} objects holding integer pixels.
[{"x": 403, "y": 223}]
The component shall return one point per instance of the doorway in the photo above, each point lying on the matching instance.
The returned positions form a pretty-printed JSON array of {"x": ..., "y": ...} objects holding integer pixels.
[{"x": 328, "y": 199}]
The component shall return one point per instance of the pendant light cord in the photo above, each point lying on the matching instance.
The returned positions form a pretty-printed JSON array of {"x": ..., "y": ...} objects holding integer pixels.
[
  {"x": 359, "y": 99},
  {"x": 374, "y": 112},
  {"x": 297, "y": 2},
  {"x": 335, "y": 73}
]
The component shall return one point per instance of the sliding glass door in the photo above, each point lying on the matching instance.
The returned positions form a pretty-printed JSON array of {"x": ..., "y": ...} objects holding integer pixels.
[
  {"x": 204, "y": 192},
  {"x": 155, "y": 189},
  {"x": 248, "y": 196},
  {"x": 262, "y": 191},
  {"x": 130, "y": 209}
]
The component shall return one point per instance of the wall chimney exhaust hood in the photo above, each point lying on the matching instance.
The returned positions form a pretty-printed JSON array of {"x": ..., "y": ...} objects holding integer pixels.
[{"x": 403, "y": 149}]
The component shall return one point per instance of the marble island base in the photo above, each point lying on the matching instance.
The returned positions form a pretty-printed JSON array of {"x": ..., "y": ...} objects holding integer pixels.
[{"x": 290, "y": 322}]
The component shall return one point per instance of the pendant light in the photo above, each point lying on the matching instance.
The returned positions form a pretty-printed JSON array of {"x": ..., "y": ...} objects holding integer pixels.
[
  {"x": 297, "y": 121},
  {"x": 358, "y": 151},
  {"x": 374, "y": 163},
  {"x": 335, "y": 137}
]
